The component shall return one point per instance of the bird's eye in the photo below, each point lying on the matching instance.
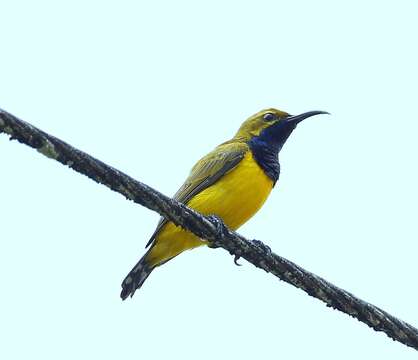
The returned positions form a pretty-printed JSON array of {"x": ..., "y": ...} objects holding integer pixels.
[{"x": 269, "y": 117}]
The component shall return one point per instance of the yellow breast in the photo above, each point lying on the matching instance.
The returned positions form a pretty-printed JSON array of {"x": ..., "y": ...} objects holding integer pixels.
[{"x": 235, "y": 198}]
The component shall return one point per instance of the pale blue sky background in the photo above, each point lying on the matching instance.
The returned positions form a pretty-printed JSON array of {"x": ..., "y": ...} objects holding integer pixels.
[{"x": 149, "y": 87}]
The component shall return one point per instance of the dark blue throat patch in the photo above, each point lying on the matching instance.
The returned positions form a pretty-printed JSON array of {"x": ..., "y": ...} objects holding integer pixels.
[{"x": 267, "y": 145}]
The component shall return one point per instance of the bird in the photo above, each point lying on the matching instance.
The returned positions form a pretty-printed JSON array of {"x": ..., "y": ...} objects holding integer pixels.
[{"x": 231, "y": 182}]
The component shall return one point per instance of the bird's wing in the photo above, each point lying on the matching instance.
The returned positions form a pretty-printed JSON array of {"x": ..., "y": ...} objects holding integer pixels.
[{"x": 205, "y": 173}]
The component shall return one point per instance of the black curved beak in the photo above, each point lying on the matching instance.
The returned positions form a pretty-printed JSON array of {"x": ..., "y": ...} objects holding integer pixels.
[{"x": 296, "y": 119}]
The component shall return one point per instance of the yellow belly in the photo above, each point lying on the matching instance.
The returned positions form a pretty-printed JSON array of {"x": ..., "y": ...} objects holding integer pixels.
[{"x": 235, "y": 198}]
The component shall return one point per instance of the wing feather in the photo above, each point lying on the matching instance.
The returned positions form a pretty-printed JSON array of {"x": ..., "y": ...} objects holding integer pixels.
[{"x": 207, "y": 172}]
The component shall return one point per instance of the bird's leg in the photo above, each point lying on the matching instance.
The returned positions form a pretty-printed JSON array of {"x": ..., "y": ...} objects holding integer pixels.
[
  {"x": 220, "y": 229},
  {"x": 262, "y": 246}
]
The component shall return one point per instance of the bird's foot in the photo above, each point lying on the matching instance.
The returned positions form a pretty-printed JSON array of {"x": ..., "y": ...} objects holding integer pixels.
[
  {"x": 220, "y": 229},
  {"x": 262, "y": 246},
  {"x": 236, "y": 258}
]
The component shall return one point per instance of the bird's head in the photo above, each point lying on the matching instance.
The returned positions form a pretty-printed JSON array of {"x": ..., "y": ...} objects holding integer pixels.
[{"x": 271, "y": 126}]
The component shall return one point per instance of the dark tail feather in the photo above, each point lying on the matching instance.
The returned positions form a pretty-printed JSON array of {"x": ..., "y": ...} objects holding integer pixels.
[{"x": 135, "y": 278}]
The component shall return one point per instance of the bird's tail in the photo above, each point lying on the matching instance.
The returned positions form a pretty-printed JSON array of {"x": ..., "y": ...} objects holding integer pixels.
[{"x": 136, "y": 277}]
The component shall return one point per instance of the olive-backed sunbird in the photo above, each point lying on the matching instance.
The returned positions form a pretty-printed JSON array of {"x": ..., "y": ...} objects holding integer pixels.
[{"x": 231, "y": 182}]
